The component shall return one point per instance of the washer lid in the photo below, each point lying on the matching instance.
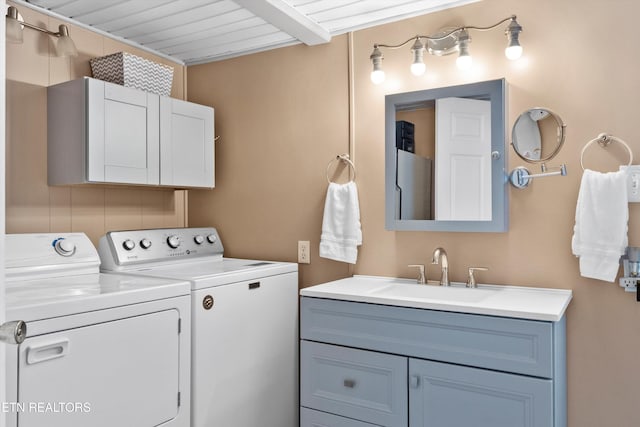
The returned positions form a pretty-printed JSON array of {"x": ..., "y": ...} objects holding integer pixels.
[
  {"x": 45, "y": 298},
  {"x": 215, "y": 272}
]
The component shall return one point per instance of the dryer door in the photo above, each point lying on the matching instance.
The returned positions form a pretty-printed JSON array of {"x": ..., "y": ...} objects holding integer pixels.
[{"x": 118, "y": 373}]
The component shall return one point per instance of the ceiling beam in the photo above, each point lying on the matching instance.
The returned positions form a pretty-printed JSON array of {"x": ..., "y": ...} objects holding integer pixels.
[{"x": 288, "y": 19}]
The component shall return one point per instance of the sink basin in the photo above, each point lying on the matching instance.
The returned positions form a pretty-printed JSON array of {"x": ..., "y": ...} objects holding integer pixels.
[{"x": 433, "y": 293}]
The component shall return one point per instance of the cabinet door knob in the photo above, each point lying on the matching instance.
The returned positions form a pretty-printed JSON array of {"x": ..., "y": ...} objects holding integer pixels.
[
  {"x": 349, "y": 383},
  {"x": 414, "y": 381}
]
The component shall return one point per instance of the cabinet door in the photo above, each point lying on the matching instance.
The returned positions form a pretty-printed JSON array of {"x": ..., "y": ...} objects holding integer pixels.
[
  {"x": 123, "y": 134},
  {"x": 445, "y": 395},
  {"x": 186, "y": 144}
]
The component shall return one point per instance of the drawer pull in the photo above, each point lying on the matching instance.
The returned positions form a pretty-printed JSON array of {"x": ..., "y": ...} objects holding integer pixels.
[
  {"x": 349, "y": 383},
  {"x": 254, "y": 285}
]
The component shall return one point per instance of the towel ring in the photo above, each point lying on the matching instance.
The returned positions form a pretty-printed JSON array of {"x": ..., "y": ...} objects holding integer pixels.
[
  {"x": 344, "y": 158},
  {"x": 604, "y": 140}
]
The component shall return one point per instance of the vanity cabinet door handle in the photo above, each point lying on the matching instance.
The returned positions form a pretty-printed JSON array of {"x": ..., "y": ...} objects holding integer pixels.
[
  {"x": 349, "y": 383},
  {"x": 414, "y": 381}
]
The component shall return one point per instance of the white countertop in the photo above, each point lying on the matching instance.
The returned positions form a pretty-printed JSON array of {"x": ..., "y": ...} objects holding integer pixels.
[{"x": 494, "y": 300}]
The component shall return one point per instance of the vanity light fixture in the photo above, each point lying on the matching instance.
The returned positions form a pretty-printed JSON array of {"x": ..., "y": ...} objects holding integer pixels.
[
  {"x": 15, "y": 26},
  {"x": 446, "y": 42}
]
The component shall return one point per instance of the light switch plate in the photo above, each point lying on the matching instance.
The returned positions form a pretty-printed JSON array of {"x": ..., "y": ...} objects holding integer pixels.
[{"x": 633, "y": 182}]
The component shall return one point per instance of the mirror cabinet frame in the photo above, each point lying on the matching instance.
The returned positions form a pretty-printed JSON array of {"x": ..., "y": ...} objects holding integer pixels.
[{"x": 492, "y": 90}]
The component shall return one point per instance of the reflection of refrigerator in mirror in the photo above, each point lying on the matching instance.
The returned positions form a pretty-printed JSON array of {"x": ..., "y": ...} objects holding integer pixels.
[{"x": 414, "y": 178}]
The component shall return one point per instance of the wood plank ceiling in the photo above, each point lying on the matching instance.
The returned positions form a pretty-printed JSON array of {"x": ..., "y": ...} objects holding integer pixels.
[{"x": 197, "y": 31}]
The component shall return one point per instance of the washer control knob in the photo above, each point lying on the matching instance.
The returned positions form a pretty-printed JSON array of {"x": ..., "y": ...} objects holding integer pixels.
[
  {"x": 198, "y": 239},
  {"x": 173, "y": 241},
  {"x": 212, "y": 238},
  {"x": 128, "y": 244},
  {"x": 65, "y": 247},
  {"x": 145, "y": 243}
]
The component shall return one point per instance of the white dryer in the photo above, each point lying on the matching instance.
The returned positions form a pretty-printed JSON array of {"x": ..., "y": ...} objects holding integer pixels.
[
  {"x": 101, "y": 350},
  {"x": 244, "y": 323}
]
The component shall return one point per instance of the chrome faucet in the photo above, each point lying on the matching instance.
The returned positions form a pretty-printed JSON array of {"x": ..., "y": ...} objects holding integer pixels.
[{"x": 440, "y": 257}]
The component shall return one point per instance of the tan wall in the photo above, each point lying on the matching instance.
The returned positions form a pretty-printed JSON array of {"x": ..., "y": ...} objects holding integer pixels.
[
  {"x": 31, "y": 205},
  {"x": 282, "y": 116}
]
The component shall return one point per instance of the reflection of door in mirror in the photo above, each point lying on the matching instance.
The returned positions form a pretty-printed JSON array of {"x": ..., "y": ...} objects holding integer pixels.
[
  {"x": 414, "y": 170},
  {"x": 463, "y": 159}
]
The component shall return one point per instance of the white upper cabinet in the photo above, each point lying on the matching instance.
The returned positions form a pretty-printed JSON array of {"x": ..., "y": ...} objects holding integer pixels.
[
  {"x": 100, "y": 132},
  {"x": 186, "y": 144}
]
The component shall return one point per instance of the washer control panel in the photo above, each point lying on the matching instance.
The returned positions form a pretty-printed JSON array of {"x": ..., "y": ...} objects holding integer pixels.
[{"x": 121, "y": 248}]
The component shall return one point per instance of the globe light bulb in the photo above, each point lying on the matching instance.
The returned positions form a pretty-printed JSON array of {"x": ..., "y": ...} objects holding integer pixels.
[
  {"x": 418, "y": 68},
  {"x": 513, "y": 52},
  {"x": 377, "y": 76},
  {"x": 464, "y": 62}
]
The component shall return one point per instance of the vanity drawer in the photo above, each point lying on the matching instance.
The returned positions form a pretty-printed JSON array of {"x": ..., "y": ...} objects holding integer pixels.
[
  {"x": 499, "y": 343},
  {"x": 311, "y": 418},
  {"x": 358, "y": 384}
]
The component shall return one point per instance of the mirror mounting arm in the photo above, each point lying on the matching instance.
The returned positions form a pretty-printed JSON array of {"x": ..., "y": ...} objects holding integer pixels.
[{"x": 520, "y": 176}]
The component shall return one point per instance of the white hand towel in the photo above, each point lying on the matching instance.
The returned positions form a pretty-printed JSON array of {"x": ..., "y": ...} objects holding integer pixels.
[
  {"x": 341, "y": 233},
  {"x": 600, "y": 231}
]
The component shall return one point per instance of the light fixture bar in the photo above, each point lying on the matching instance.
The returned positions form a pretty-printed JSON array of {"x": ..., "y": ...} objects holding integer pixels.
[
  {"x": 78, "y": 24},
  {"x": 44, "y": 30},
  {"x": 65, "y": 45},
  {"x": 460, "y": 43}
]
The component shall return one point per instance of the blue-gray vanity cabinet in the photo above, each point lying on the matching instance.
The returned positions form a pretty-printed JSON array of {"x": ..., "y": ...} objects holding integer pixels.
[{"x": 459, "y": 369}]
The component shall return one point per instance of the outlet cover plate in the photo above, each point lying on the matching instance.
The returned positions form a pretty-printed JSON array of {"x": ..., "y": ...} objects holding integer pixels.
[
  {"x": 633, "y": 182},
  {"x": 304, "y": 252}
]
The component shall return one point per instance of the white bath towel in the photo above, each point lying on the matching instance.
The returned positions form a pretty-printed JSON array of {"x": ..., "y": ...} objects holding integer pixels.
[
  {"x": 341, "y": 233},
  {"x": 600, "y": 231}
]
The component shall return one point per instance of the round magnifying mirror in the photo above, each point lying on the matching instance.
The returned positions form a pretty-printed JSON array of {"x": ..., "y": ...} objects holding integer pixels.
[{"x": 538, "y": 135}]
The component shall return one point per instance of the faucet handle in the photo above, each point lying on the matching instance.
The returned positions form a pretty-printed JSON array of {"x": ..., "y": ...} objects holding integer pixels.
[
  {"x": 422, "y": 278},
  {"x": 471, "y": 280}
]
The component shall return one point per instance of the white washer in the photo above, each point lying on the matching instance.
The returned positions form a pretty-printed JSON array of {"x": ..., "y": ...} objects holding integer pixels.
[
  {"x": 101, "y": 349},
  {"x": 244, "y": 323}
]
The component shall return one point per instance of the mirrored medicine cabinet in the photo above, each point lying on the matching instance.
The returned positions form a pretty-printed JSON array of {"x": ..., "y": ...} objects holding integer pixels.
[{"x": 445, "y": 159}]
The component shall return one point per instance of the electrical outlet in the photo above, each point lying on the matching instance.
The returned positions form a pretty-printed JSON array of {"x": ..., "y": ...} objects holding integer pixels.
[
  {"x": 629, "y": 283},
  {"x": 304, "y": 254}
]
